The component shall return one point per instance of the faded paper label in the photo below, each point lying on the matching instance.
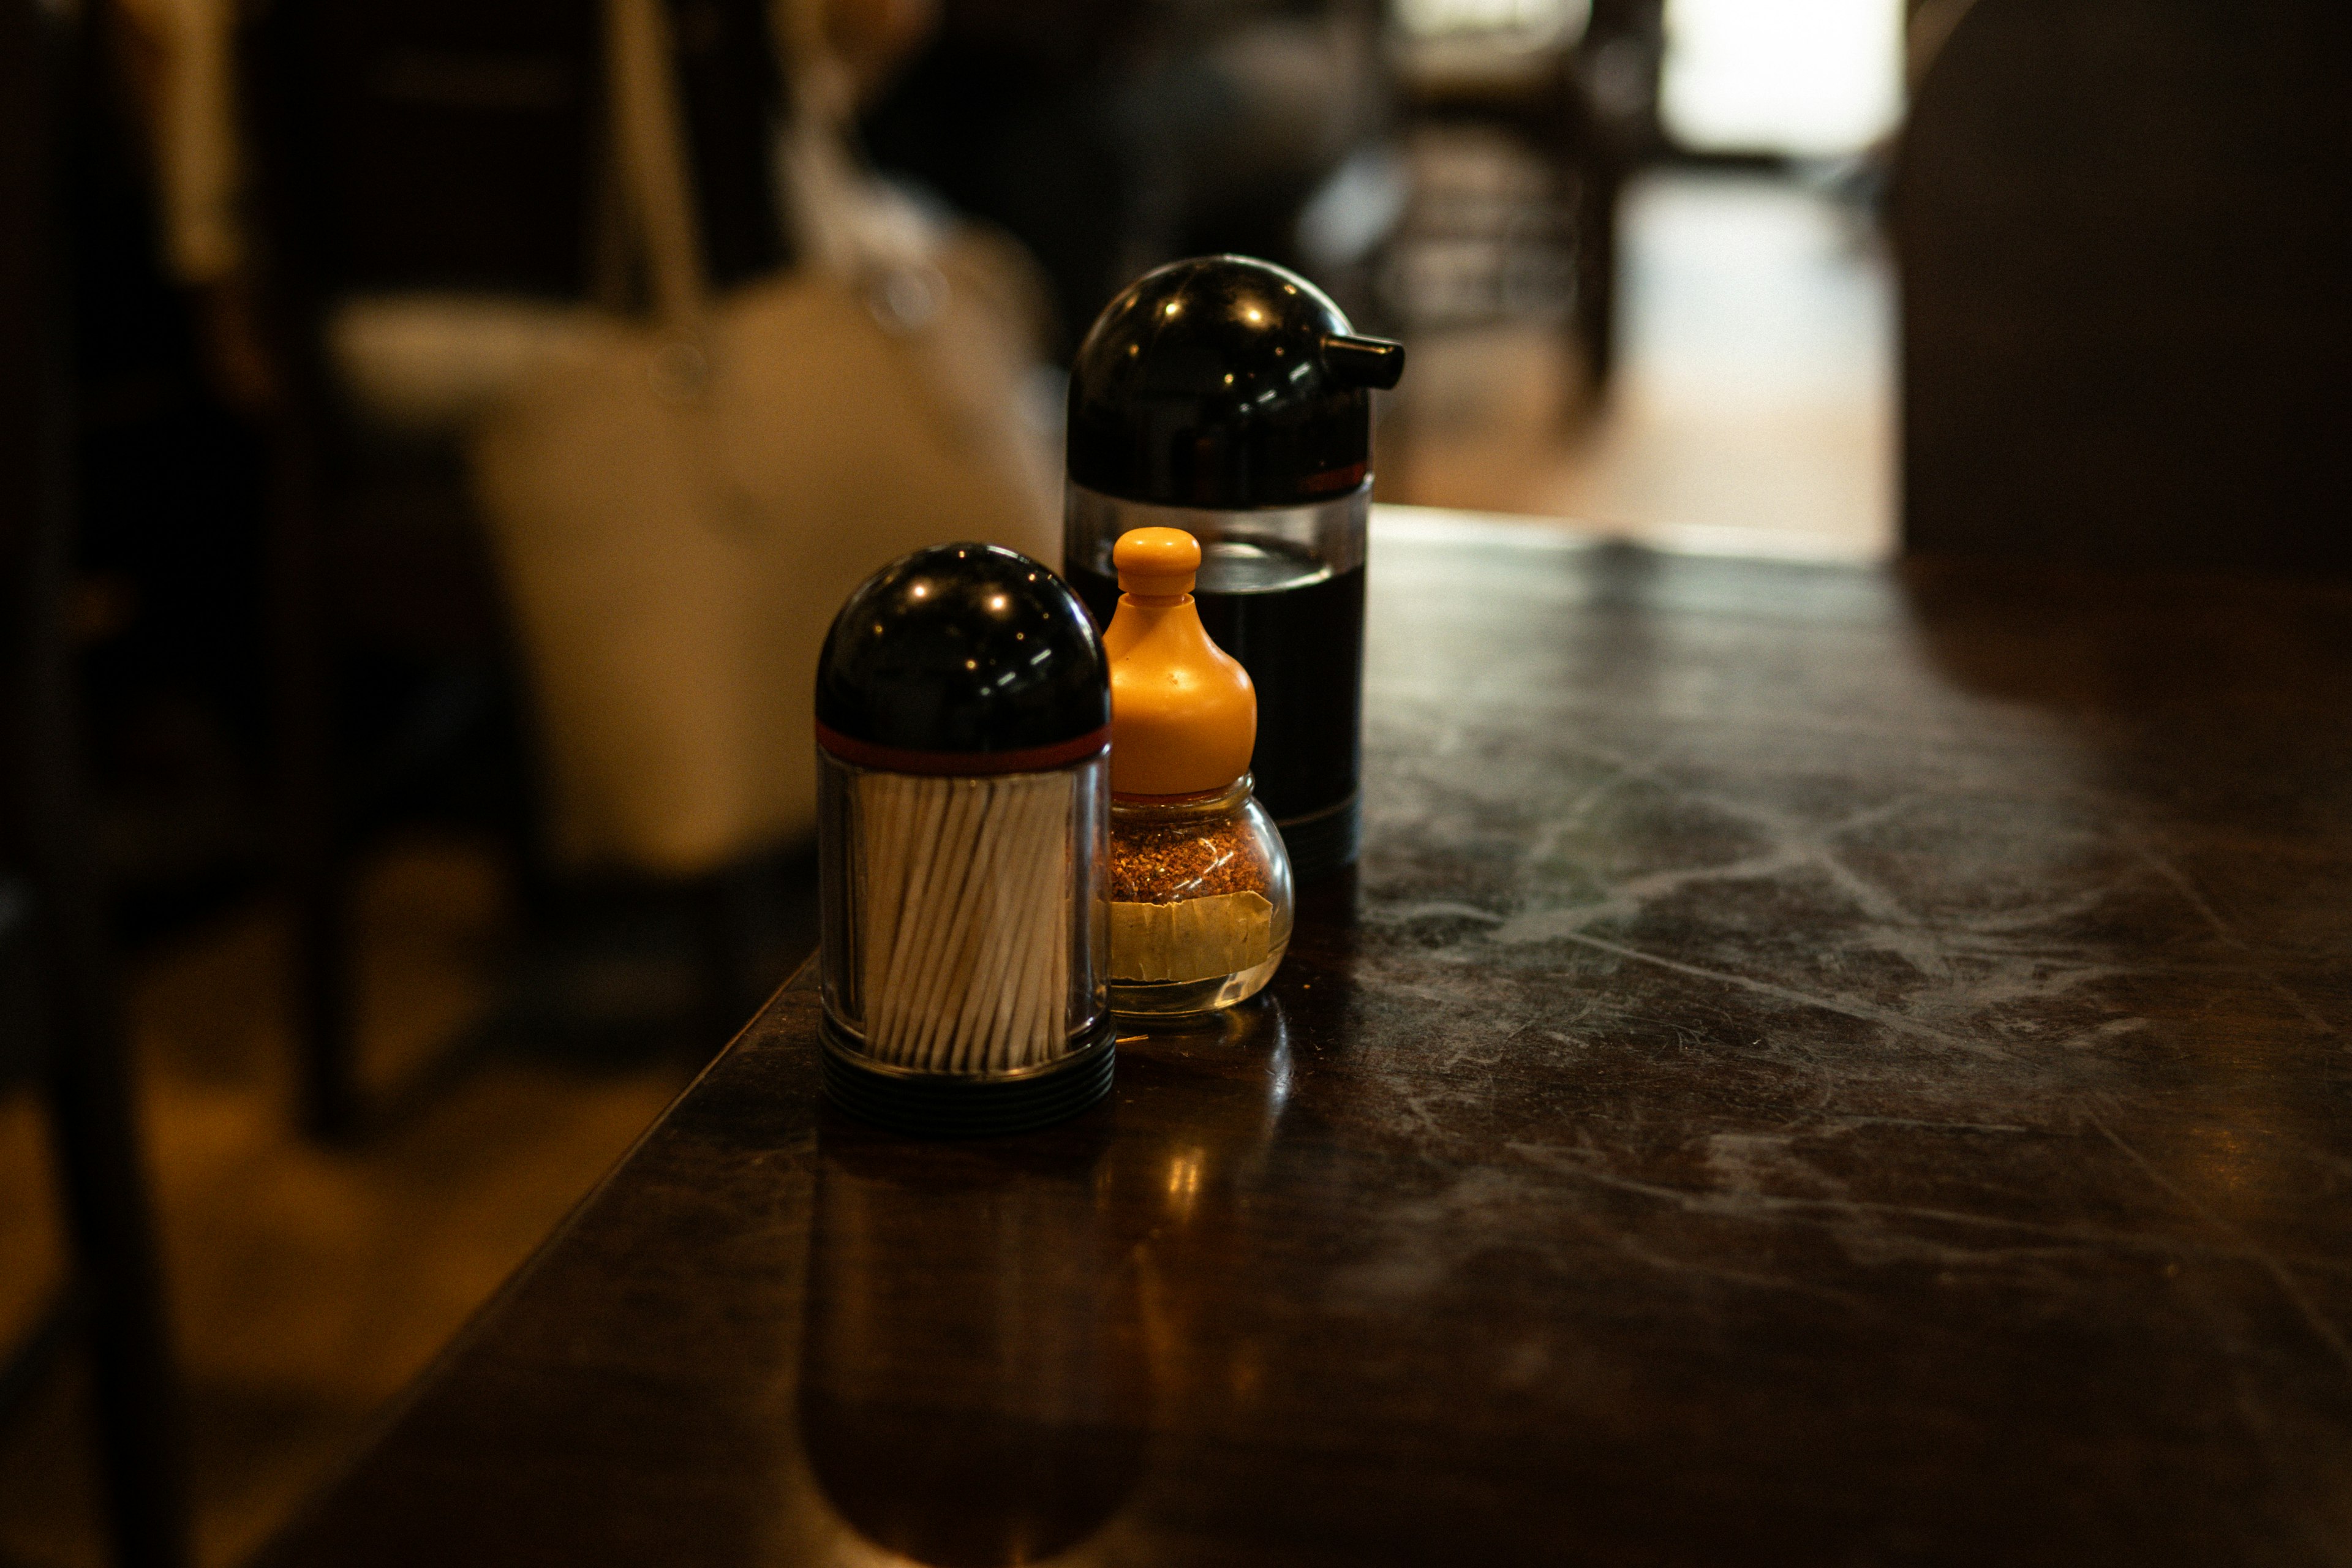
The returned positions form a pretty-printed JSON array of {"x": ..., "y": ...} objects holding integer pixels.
[{"x": 1198, "y": 938}]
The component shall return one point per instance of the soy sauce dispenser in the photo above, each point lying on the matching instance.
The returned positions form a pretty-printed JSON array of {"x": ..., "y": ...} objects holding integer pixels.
[{"x": 1230, "y": 398}]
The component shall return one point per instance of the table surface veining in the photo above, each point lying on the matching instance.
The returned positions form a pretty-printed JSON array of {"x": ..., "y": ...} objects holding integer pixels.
[{"x": 1818, "y": 1065}]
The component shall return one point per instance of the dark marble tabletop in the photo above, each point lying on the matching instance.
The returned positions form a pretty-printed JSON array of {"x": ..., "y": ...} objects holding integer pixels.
[{"x": 1818, "y": 1065}]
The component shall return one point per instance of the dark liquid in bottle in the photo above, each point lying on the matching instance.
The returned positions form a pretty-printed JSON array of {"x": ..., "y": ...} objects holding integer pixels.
[{"x": 1298, "y": 628}]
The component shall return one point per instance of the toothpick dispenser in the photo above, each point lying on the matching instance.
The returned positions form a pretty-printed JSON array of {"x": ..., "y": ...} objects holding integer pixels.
[{"x": 963, "y": 731}]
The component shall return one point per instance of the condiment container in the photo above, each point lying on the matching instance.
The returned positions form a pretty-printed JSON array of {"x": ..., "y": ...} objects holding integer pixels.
[
  {"x": 962, "y": 721},
  {"x": 1232, "y": 399},
  {"x": 1200, "y": 882}
]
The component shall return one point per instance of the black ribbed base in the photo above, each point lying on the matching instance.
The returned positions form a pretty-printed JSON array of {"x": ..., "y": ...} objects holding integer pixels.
[
  {"x": 1323, "y": 841},
  {"x": 956, "y": 1105}
]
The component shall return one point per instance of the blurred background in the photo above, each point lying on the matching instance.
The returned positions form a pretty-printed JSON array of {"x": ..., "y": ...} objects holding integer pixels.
[{"x": 382, "y": 860}]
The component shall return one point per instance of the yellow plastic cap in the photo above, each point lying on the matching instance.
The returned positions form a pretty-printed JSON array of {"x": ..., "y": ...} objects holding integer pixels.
[
  {"x": 1183, "y": 715},
  {"x": 1156, "y": 563}
]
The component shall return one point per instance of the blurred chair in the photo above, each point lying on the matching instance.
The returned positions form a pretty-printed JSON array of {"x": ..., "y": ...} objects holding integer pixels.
[
  {"x": 1109, "y": 139},
  {"x": 2124, "y": 246},
  {"x": 437, "y": 224},
  {"x": 65, "y": 1027},
  {"x": 1528, "y": 120}
]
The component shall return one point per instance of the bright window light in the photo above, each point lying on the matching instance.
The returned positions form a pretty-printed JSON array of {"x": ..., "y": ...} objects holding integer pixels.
[{"x": 1810, "y": 78}]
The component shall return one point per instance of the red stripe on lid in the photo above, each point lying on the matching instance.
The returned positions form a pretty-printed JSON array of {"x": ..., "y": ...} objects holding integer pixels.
[{"x": 963, "y": 765}]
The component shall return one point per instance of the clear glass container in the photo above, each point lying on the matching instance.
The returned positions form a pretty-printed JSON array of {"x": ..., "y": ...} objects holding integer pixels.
[
  {"x": 963, "y": 920},
  {"x": 1199, "y": 899}
]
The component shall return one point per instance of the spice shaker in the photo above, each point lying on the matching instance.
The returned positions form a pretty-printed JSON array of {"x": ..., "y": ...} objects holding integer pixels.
[
  {"x": 962, "y": 721},
  {"x": 1200, "y": 882},
  {"x": 1231, "y": 399}
]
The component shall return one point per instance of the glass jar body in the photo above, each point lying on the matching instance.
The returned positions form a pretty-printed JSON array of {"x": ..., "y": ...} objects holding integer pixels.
[
  {"x": 961, "y": 917},
  {"x": 1199, "y": 901},
  {"x": 1282, "y": 590}
]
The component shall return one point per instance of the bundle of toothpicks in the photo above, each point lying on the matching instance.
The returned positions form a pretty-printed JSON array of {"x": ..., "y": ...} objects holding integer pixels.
[{"x": 964, "y": 918}]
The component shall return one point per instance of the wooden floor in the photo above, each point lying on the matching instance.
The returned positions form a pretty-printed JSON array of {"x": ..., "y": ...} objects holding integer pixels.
[
  {"x": 309, "y": 1285},
  {"x": 1753, "y": 408}
]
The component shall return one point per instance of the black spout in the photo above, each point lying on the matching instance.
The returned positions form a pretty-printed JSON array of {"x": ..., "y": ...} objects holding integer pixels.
[{"x": 1376, "y": 362}]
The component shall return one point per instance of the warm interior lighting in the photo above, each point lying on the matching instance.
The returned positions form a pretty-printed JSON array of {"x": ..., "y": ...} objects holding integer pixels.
[
  {"x": 1445, "y": 18},
  {"x": 1184, "y": 1181}
]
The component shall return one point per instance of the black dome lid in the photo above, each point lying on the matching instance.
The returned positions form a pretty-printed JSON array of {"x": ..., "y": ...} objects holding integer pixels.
[
  {"x": 962, "y": 648},
  {"x": 1226, "y": 382}
]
